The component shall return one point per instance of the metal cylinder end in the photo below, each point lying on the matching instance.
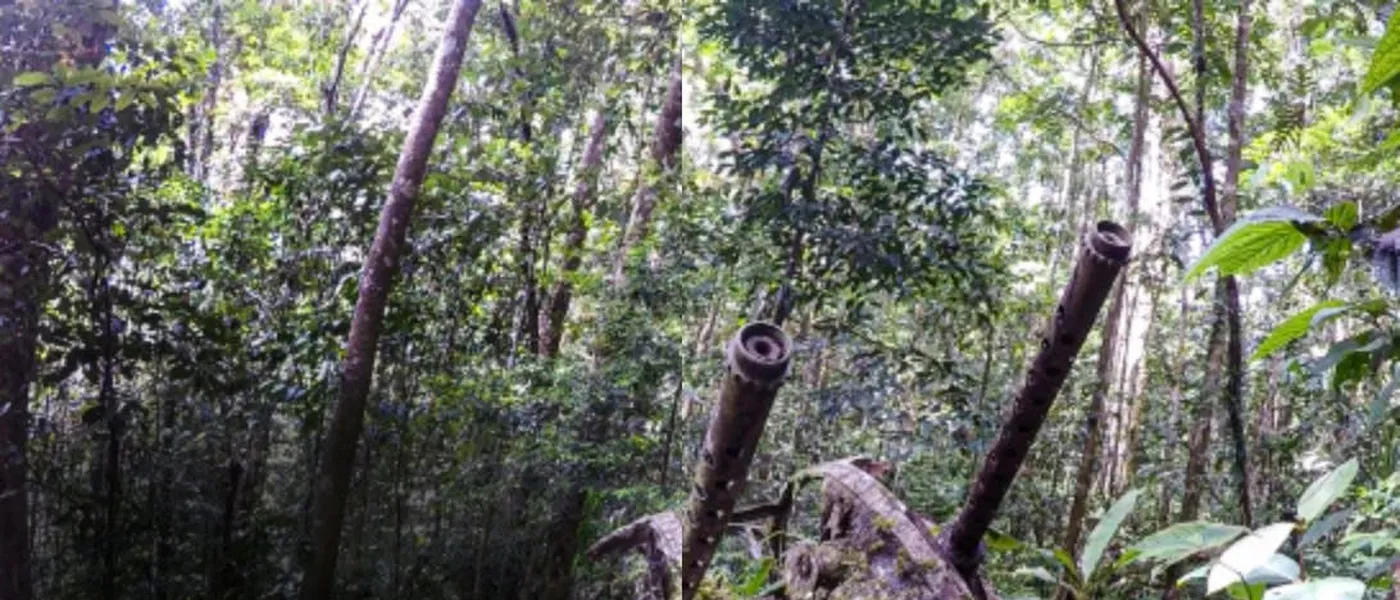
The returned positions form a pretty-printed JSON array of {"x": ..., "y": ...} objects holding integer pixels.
[
  {"x": 1111, "y": 240},
  {"x": 761, "y": 353}
]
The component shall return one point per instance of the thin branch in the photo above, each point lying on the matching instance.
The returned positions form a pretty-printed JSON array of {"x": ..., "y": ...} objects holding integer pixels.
[
  {"x": 1198, "y": 136},
  {"x": 1061, "y": 111}
]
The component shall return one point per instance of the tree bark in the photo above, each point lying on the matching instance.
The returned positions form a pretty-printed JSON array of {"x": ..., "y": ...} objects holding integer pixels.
[
  {"x": 1227, "y": 307},
  {"x": 1234, "y": 391},
  {"x": 552, "y": 329},
  {"x": 665, "y": 150},
  {"x": 376, "y": 280}
]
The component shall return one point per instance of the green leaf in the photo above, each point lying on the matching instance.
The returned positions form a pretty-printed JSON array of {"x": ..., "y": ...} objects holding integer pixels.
[
  {"x": 1324, "y": 528},
  {"x": 1259, "y": 239},
  {"x": 1183, "y": 540},
  {"x": 1323, "y": 492},
  {"x": 32, "y": 78},
  {"x": 1330, "y": 588},
  {"x": 1385, "y": 63},
  {"x": 1343, "y": 215},
  {"x": 1291, "y": 329},
  {"x": 1104, "y": 531},
  {"x": 1067, "y": 561},
  {"x": 758, "y": 579},
  {"x": 1000, "y": 542},
  {"x": 1241, "y": 591},
  {"x": 1250, "y": 553}
]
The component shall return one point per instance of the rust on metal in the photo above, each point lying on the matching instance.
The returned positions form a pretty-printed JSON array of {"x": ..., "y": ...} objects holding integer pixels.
[
  {"x": 1102, "y": 256},
  {"x": 757, "y": 362}
]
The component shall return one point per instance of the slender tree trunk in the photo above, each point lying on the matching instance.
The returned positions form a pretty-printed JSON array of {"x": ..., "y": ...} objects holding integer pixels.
[
  {"x": 331, "y": 91},
  {"x": 1133, "y": 437},
  {"x": 1069, "y": 187},
  {"x": 665, "y": 148},
  {"x": 381, "y": 263},
  {"x": 1093, "y": 434},
  {"x": 1198, "y": 442},
  {"x": 1229, "y": 203},
  {"x": 529, "y": 201},
  {"x": 377, "y": 49},
  {"x": 1108, "y": 352},
  {"x": 552, "y": 329},
  {"x": 202, "y": 143}
]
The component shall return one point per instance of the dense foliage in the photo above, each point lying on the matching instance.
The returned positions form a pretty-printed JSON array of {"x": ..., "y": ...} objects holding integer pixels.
[{"x": 189, "y": 189}]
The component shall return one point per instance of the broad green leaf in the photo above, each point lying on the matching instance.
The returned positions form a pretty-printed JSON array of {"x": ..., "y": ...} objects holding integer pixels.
[
  {"x": 1242, "y": 591},
  {"x": 1330, "y": 588},
  {"x": 1000, "y": 542},
  {"x": 1259, "y": 239},
  {"x": 1385, "y": 63},
  {"x": 1343, "y": 215},
  {"x": 758, "y": 579},
  {"x": 1067, "y": 561},
  {"x": 1291, "y": 329},
  {"x": 1182, "y": 540},
  {"x": 1104, "y": 531},
  {"x": 1323, "y": 492},
  {"x": 32, "y": 78},
  {"x": 1246, "y": 555},
  {"x": 1324, "y": 528}
]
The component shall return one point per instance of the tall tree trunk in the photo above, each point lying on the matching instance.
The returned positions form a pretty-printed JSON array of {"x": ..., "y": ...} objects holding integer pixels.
[
  {"x": 1229, "y": 203},
  {"x": 665, "y": 148},
  {"x": 1108, "y": 352},
  {"x": 1069, "y": 187},
  {"x": 1198, "y": 441},
  {"x": 1139, "y": 400},
  {"x": 1170, "y": 439},
  {"x": 1227, "y": 292},
  {"x": 32, "y": 213},
  {"x": 202, "y": 142},
  {"x": 376, "y": 281},
  {"x": 530, "y": 202},
  {"x": 1093, "y": 434},
  {"x": 552, "y": 329}
]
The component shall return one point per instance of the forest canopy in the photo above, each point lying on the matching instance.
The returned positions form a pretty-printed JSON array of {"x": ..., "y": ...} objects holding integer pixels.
[{"x": 557, "y": 299}]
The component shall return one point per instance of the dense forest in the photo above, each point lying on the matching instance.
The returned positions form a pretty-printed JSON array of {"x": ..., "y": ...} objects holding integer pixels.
[{"x": 553, "y": 299}]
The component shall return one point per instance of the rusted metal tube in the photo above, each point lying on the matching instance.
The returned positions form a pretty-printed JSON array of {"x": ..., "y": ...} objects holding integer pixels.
[
  {"x": 756, "y": 362},
  {"x": 1102, "y": 256}
]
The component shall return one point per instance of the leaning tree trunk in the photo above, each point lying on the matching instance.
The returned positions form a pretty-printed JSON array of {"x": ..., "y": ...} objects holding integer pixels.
[
  {"x": 665, "y": 148},
  {"x": 333, "y": 479}
]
